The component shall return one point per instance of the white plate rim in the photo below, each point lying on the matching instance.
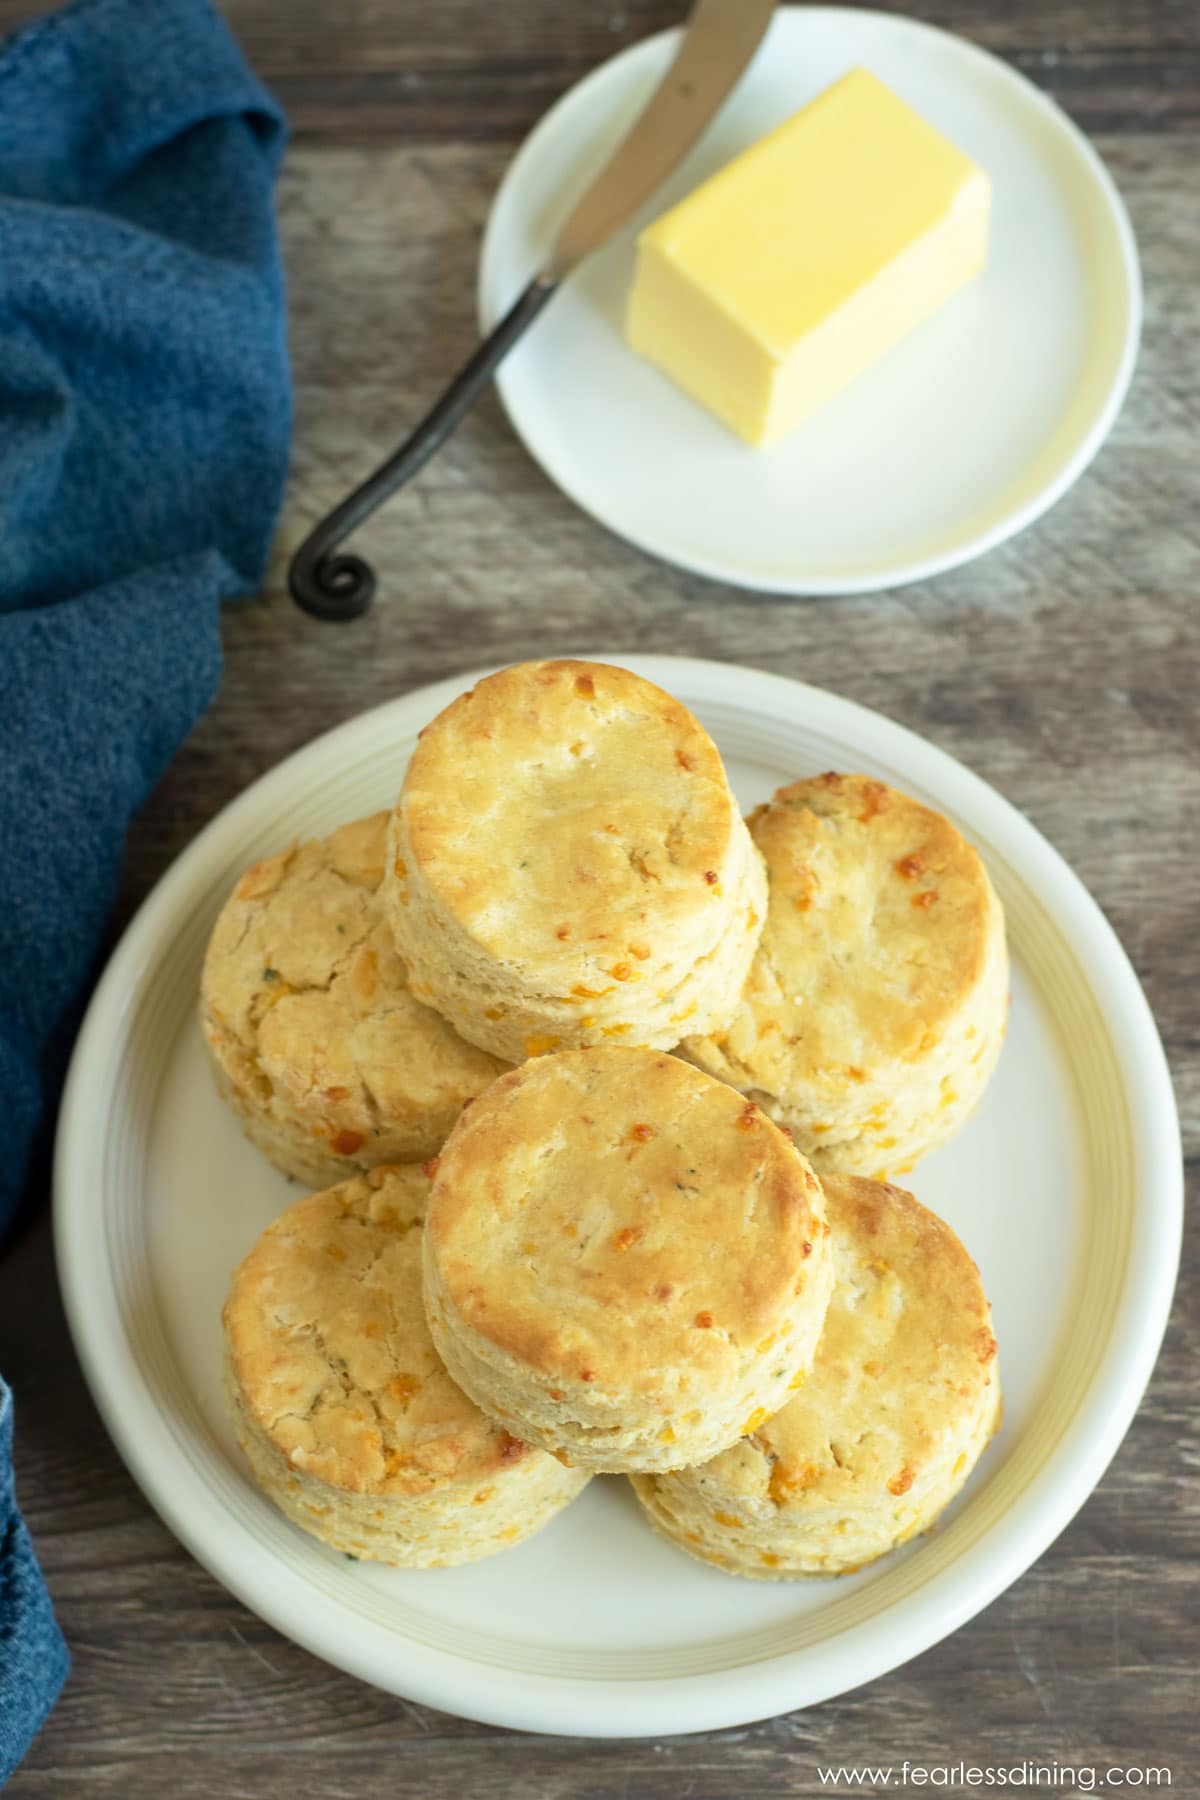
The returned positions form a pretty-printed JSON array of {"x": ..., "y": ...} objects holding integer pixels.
[
  {"x": 602, "y": 1707},
  {"x": 919, "y": 568}
]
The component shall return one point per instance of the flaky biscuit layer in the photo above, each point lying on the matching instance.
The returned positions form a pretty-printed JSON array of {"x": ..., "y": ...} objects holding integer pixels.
[
  {"x": 900, "y": 1402},
  {"x": 567, "y": 865},
  {"x": 317, "y": 1042},
  {"x": 876, "y": 1004},
  {"x": 342, "y": 1407},
  {"x": 625, "y": 1261}
]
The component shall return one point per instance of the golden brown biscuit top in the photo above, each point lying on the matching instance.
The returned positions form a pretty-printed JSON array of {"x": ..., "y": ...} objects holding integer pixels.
[
  {"x": 615, "y": 1216},
  {"x": 879, "y": 924},
  {"x": 294, "y": 918},
  {"x": 571, "y": 817},
  {"x": 905, "y": 1356},
  {"x": 302, "y": 968},
  {"x": 331, "y": 1353}
]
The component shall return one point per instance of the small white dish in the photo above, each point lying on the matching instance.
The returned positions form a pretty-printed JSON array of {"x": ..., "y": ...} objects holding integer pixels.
[
  {"x": 958, "y": 438},
  {"x": 1066, "y": 1187}
]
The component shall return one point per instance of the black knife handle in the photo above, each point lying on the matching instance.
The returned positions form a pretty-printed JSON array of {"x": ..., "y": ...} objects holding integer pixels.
[{"x": 343, "y": 586}]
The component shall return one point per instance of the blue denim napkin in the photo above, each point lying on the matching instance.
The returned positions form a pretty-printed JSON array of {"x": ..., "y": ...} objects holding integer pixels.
[
  {"x": 144, "y": 419},
  {"x": 33, "y": 1657}
]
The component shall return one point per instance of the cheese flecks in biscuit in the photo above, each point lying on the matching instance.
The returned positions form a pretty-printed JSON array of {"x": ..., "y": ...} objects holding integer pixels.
[
  {"x": 876, "y": 1005},
  {"x": 316, "y": 1038},
  {"x": 342, "y": 1408},
  {"x": 625, "y": 1262},
  {"x": 900, "y": 1402},
  {"x": 567, "y": 865}
]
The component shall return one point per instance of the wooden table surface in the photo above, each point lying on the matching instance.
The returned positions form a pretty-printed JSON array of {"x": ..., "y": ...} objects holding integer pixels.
[{"x": 1063, "y": 667}]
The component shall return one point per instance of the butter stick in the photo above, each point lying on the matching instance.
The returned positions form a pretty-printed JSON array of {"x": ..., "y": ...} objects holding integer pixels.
[{"x": 789, "y": 272}]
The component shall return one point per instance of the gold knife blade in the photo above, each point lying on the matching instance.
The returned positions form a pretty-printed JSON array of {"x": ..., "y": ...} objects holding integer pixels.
[{"x": 719, "y": 40}]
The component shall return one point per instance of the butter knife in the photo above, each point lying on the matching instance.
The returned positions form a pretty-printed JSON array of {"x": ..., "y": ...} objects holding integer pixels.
[{"x": 720, "y": 39}]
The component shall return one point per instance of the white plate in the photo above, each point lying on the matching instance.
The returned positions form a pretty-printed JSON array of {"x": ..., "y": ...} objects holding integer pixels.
[
  {"x": 958, "y": 438},
  {"x": 1066, "y": 1187}
]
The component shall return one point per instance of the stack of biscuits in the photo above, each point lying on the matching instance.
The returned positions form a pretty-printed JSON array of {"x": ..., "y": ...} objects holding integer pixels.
[{"x": 600, "y": 1085}]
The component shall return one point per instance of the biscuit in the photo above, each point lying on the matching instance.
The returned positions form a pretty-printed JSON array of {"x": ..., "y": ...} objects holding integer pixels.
[
  {"x": 899, "y": 1404},
  {"x": 348, "y": 1420},
  {"x": 876, "y": 1004},
  {"x": 316, "y": 1039},
  {"x": 568, "y": 866},
  {"x": 625, "y": 1262}
]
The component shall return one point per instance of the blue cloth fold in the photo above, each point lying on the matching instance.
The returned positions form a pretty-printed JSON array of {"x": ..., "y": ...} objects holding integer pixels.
[
  {"x": 33, "y": 1657},
  {"x": 144, "y": 419},
  {"x": 145, "y": 411}
]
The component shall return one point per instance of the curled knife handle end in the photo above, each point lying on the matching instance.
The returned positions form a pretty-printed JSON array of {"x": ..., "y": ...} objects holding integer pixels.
[{"x": 339, "y": 587}]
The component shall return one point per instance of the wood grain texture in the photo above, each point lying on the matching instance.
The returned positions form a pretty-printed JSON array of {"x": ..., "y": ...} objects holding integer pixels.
[
  {"x": 384, "y": 69},
  {"x": 1064, "y": 667}
]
